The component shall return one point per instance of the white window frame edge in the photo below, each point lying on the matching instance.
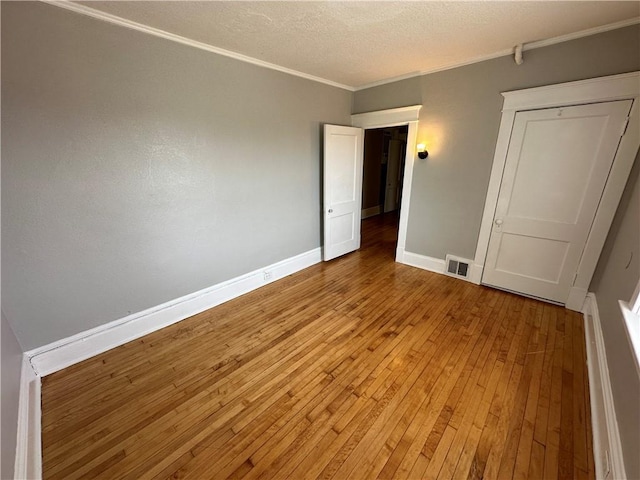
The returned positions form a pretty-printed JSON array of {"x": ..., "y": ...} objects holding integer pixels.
[
  {"x": 635, "y": 300},
  {"x": 631, "y": 315},
  {"x": 392, "y": 118},
  {"x": 602, "y": 89}
]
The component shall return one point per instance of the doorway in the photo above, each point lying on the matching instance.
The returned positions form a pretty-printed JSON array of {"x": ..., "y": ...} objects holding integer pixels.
[
  {"x": 342, "y": 178},
  {"x": 383, "y": 172}
]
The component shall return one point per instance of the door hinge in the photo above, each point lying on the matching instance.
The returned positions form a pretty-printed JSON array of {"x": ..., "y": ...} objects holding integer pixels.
[
  {"x": 575, "y": 277},
  {"x": 624, "y": 127}
]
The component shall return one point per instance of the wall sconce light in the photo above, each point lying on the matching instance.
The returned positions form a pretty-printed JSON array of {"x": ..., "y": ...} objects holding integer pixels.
[{"x": 422, "y": 151}]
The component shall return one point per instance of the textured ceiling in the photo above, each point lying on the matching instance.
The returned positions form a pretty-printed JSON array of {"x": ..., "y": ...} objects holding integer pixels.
[{"x": 357, "y": 43}]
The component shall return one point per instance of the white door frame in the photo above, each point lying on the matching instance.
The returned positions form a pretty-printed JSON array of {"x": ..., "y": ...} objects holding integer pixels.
[
  {"x": 602, "y": 89},
  {"x": 393, "y": 118}
]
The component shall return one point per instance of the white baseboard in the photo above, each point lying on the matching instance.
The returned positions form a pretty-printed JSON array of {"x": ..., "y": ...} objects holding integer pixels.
[
  {"x": 431, "y": 264},
  {"x": 28, "y": 461},
  {"x": 436, "y": 265},
  {"x": 607, "y": 448},
  {"x": 63, "y": 353},
  {"x": 371, "y": 211}
]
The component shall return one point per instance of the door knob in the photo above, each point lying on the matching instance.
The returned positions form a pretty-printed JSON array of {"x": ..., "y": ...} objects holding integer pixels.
[
  {"x": 331, "y": 210},
  {"x": 498, "y": 222}
]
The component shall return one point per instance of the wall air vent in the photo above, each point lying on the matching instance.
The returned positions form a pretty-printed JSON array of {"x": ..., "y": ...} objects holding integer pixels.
[{"x": 458, "y": 267}]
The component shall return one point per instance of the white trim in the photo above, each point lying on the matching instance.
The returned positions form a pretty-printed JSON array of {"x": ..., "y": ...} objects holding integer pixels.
[
  {"x": 407, "y": 184},
  {"x": 505, "y": 52},
  {"x": 582, "y": 33},
  {"x": 391, "y": 118},
  {"x": 576, "y": 299},
  {"x": 599, "y": 89},
  {"x": 28, "y": 461},
  {"x": 632, "y": 327},
  {"x": 404, "y": 76},
  {"x": 606, "y": 436},
  {"x": 444, "y": 68},
  {"x": 63, "y": 353},
  {"x": 371, "y": 211},
  {"x": 635, "y": 300},
  {"x": 476, "y": 273},
  {"x": 50, "y": 358},
  {"x": 431, "y": 264},
  {"x": 123, "y": 22},
  {"x": 436, "y": 265},
  {"x": 602, "y": 89},
  {"x": 386, "y": 118},
  {"x": 491, "y": 201}
]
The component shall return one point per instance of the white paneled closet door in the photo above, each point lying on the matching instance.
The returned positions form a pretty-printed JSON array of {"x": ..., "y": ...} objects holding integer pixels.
[{"x": 555, "y": 173}]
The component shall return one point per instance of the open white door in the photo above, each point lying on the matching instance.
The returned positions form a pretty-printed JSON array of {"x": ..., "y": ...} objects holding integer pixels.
[
  {"x": 556, "y": 169},
  {"x": 342, "y": 180}
]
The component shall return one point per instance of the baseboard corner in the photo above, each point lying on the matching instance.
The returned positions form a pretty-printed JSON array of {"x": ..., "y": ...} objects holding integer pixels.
[{"x": 28, "y": 460}]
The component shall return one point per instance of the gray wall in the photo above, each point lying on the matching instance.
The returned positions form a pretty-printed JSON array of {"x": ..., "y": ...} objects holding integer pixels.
[
  {"x": 137, "y": 170},
  {"x": 402, "y": 93},
  {"x": 615, "y": 279},
  {"x": 11, "y": 364},
  {"x": 460, "y": 120}
]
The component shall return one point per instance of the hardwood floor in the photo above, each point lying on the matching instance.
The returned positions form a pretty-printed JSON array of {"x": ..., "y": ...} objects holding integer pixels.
[{"x": 356, "y": 368}]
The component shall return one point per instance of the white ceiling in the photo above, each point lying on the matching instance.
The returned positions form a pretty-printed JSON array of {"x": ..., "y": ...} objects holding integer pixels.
[{"x": 356, "y": 43}]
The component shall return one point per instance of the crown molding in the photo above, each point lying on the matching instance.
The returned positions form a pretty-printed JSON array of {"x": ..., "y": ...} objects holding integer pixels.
[
  {"x": 582, "y": 33},
  {"x": 503, "y": 53},
  {"x": 450, "y": 66},
  {"x": 123, "y": 22},
  {"x": 398, "y": 78}
]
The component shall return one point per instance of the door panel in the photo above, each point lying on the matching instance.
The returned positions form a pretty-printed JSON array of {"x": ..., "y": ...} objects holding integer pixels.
[
  {"x": 544, "y": 259},
  {"x": 555, "y": 172},
  {"x": 342, "y": 228},
  {"x": 342, "y": 189},
  {"x": 556, "y": 160}
]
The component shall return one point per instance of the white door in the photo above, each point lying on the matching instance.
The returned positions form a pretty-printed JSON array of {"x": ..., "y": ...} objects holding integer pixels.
[
  {"x": 555, "y": 172},
  {"x": 342, "y": 181},
  {"x": 393, "y": 173}
]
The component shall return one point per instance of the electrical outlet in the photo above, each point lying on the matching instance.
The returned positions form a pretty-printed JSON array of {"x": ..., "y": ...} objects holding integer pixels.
[{"x": 267, "y": 275}]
